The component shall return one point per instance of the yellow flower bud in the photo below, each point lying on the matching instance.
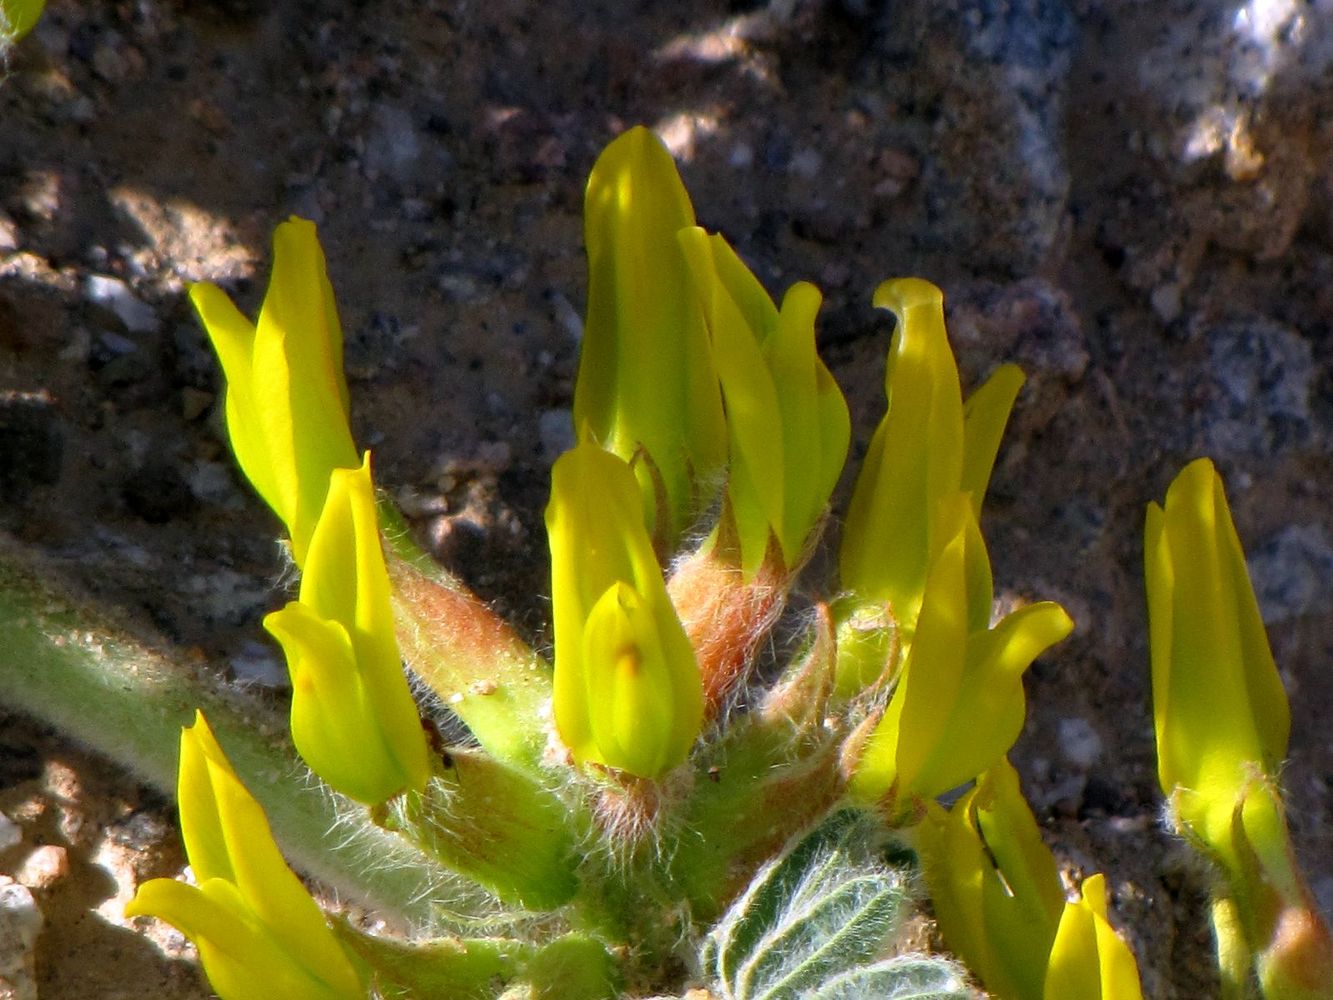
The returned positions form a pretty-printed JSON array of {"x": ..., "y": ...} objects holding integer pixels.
[
  {"x": 1221, "y": 714},
  {"x": 787, "y": 421},
  {"x": 627, "y": 688},
  {"x": 259, "y": 933},
  {"x": 646, "y": 384},
  {"x": 1088, "y": 959},
  {"x": 353, "y": 717},
  {"x": 286, "y": 399},
  {"x": 1222, "y": 724}
]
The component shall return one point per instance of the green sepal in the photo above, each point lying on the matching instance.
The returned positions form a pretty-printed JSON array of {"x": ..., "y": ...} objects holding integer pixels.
[
  {"x": 469, "y": 656},
  {"x": 572, "y": 967},
  {"x": 760, "y": 784},
  {"x": 441, "y": 969},
  {"x": 495, "y": 824}
]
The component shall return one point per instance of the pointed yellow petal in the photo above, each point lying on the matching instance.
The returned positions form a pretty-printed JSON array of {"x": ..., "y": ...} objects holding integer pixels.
[
  {"x": 298, "y": 378},
  {"x": 755, "y": 481},
  {"x": 334, "y": 721},
  {"x": 250, "y": 911},
  {"x": 993, "y": 884},
  {"x": 639, "y": 722},
  {"x": 984, "y": 417},
  {"x": 816, "y": 427},
  {"x": 233, "y": 338}
]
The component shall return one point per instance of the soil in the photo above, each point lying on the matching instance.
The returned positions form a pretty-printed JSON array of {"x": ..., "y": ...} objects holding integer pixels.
[{"x": 1133, "y": 201}]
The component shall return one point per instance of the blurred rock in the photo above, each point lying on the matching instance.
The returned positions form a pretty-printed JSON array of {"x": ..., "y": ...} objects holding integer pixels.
[
  {"x": 995, "y": 183},
  {"x": 1257, "y": 386},
  {"x": 1291, "y": 573}
]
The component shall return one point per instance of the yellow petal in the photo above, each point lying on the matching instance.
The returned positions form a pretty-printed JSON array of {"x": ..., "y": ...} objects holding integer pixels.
[
  {"x": 17, "y": 18},
  {"x": 298, "y": 380},
  {"x": 984, "y": 416},
  {"x": 959, "y": 704},
  {"x": 641, "y": 720},
  {"x": 287, "y": 412},
  {"x": 816, "y": 426},
  {"x": 233, "y": 338},
  {"x": 243, "y": 958},
  {"x": 755, "y": 481},
  {"x": 993, "y": 884}
]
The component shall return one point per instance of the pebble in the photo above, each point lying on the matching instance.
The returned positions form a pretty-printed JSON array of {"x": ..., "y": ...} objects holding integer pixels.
[
  {"x": 213, "y": 482},
  {"x": 1080, "y": 745},
  {"x": 1166, "y": 302},
  {"x": 555, "y": 428},
  {"x": 20, "y": 924},
  {"x": 114, "y": 295},
  {"x": 9, "y": 234},
  {"x": 44, "y": 867},
  {"x": 195, "y": 402}
]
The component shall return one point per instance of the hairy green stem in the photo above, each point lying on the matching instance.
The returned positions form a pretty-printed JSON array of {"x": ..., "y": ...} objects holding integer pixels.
[{"x": 69, "y": 666}]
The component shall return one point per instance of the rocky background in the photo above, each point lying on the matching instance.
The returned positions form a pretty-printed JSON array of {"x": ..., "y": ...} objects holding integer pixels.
[{"x": 1133, "y": 200}]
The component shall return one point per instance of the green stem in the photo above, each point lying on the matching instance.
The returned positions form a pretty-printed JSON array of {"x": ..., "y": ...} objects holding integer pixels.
[{"x": 65, "y": 664}]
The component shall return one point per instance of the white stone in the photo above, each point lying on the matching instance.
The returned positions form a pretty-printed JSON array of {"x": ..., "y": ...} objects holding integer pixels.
[{"x": 1079, "y": 743}]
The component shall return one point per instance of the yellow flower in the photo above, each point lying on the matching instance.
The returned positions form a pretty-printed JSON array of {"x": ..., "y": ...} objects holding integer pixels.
[
  {"x": 1089, "y": 961},
  {"x": 786, "y": 419},
  {"x": 993, "y": 884},
  {"x": 353, "y": 717},
  {"x": 646, "y": 385},
  {"x": 286, "y": 400},
  {"x": 959, "y": 703},
  {"x": 627, "y": 688},
  {"x": 1221, "y": 714},
  {"x": 928, "y": 447},
  {"x": 1222, "y": 723},
  {"x": 259, "y": 933}
]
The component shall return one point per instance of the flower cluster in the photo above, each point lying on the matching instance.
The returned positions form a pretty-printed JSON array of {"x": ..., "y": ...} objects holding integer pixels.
[{"x": 632, "y": 788}]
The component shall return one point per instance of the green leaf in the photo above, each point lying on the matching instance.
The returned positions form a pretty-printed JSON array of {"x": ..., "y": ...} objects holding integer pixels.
[
  {"x": 906, "y": 978},
  {"x": 811, "y": 921}
]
